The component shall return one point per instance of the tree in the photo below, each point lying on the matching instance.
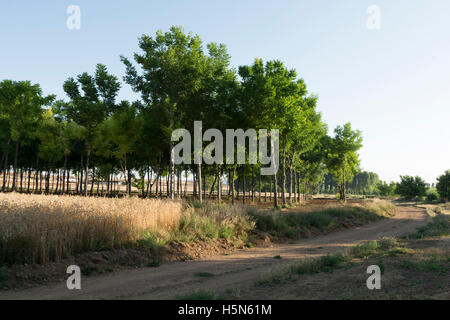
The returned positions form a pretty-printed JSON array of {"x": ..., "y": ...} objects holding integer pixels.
[
  {"x": 174, "y": 66},
  {"x": 386, "y": 189},
  {"x": 410, "y": 187},
  {"x": 443, "y": 185},
  {"x": 92, "y": 107},
  {"x": 342, "y": 159},
  {"x": 124, "y": 128},
  {"x": 21, "y": 103}
]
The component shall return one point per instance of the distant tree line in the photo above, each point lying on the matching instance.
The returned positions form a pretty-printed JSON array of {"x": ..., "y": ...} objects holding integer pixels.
[
  {"x": 415, "y": 187},
  {"x": 363, "y": 183}
]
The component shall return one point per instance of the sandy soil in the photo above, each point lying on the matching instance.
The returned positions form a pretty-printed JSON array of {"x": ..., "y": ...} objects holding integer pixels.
[{"x": 224, "y": 271}]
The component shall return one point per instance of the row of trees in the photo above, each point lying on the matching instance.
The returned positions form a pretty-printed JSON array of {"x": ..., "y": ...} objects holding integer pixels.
[
  {"x": 363, "y": 183},
  {"x": 415, "y": 187},
  {"x": 92, "y": 136}
]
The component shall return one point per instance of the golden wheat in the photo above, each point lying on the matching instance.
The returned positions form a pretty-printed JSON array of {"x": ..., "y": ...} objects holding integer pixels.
[{"x": 38, "y": 228}]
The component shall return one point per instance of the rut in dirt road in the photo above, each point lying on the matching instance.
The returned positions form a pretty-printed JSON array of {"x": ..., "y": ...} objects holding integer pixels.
[{"x": 226, "y": 272}]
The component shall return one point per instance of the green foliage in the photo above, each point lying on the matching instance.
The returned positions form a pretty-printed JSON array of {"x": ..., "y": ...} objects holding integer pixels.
[
  {"x": 432, "y": 264},
  {"x": 323, "y": 264},
  {"x": 384, "y": 247},
  {"x": 385, "y": 189},
  {"x": 214, "y": 222},
  {"x": 154, "y": 264},
  {"x": 410, "y": 187},
  {"x": 341, "y": 157},
  {"x": 432, "y": 195},
  {"x": 443, "y": 185}
]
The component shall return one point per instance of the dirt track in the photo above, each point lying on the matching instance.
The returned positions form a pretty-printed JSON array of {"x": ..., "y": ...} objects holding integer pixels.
[{"x": 235, "y": 270}]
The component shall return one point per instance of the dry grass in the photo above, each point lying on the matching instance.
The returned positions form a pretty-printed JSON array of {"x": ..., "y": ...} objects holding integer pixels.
[
  {"x": 212, "y": 221},
  {"x": 36, "y": 228},
  {"x": 300, "y": 221}
]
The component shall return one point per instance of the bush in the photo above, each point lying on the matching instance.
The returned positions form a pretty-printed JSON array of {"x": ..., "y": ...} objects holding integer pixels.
[{"x": 432, "y": 195}]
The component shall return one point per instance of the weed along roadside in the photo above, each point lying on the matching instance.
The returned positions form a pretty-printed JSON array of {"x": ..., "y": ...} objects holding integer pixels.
[{"x": 105, "y": 235}]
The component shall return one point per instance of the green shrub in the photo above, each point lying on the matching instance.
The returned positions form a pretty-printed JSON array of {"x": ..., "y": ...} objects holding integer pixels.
[{"x": 432, "y": 195}]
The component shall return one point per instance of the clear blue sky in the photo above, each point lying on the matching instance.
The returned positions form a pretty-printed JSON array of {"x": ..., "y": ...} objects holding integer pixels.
[{"x": 392, "y": 83}]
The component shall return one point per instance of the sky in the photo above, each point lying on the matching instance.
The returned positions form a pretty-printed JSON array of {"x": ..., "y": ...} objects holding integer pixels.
[{"x": 392, "y": 83}]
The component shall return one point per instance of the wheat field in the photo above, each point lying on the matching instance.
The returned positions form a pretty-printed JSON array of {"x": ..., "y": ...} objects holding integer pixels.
[{"x": 38, "y": 228}]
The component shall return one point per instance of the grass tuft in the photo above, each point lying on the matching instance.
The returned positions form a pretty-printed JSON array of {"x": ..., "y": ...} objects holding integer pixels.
[
  {"x": 198, "y": 295},
  {"x": 204, "y": 274}
]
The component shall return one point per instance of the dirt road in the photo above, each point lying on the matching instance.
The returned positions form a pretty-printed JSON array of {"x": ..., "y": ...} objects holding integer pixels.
[{"x": 219, "y": 273}]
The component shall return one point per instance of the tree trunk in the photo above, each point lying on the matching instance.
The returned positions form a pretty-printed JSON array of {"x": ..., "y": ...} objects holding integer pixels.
[
  {"x": 171, "y": 171},
  {"x": 219, "y": 184},
  {"x": 129, "y": 182},
  {"x": 253, "y": 184},
  {"x": 343, "y": 184},
  {"x": 47, "y": 182},
  {"x": 57, "y": 183},
  {"x": 290, "y": 184},
  {"x": 86, "y": 168},
  {"x": 271, "y": 190},
  {"x": 275, "y": 191},
  {"x": 243, "y": 184},
  {"x": 232, "y": 184},
  {"x": 295, "y": 185},
  {"x": 80, "y": 182},
  {"x": 185, "y": 183},
  {"x": 259, "y": 185},
  {"x": 37, "y": 173},
  {"x": 68, "y": 182},
  {"x": 212, "y": 186},
  {"x": 283, "y": 176},
  {"x": 16, "y": 157},
  {"x": 91, "y": 192},
  {"x": 63, "y": 189},
  {"x": 199, "y": 181},
  {"x": 21, "y": 179},
  {"x": 29, "y": 180}
]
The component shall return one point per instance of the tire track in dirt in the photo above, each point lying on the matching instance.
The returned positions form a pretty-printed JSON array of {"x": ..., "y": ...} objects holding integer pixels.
[{"x": 229, "y": 271}]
